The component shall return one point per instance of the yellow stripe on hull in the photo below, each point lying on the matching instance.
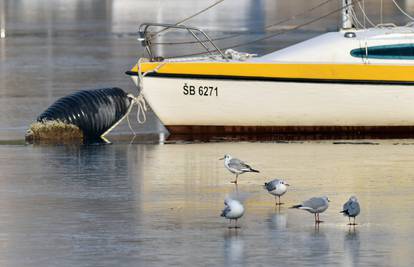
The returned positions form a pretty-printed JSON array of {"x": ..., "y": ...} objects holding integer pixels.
[{"x": 358, "y": 72}]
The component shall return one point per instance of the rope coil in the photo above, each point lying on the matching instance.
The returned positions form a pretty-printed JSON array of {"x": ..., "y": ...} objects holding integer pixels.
[{"x": 142, "y": 108}]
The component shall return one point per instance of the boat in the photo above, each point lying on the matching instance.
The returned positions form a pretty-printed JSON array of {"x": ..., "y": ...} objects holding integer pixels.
[{"x": 352, "y": 81}]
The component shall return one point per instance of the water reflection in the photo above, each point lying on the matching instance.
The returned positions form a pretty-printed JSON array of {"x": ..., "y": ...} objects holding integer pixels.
[
  {"x": 81, "y": 205},
  {"x": 2, "y": 21},
  {"x": 69, "y": 197},
  {"x": 317, "y": 245},
  {"x": 233, "y": 248},
  {"x": 352, "y": 248},
  {"x": 278, "y": 219}
]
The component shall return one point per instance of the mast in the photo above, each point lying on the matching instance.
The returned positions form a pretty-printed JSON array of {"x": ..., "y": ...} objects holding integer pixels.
[{"x": 347, "y": 22}]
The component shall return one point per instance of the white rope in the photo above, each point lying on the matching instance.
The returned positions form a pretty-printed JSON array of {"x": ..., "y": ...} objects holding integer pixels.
[
  {"x": 141, "y": 76},
  {"x": 142, "y": 109},
  {"x": 239, "y": 56},
  {"x": 140, "y": 80},
  {"x": 130, "y": 127},
  {"x": 140, "y": 100},
  {"x": 402, "y": 11},
  {"x": 141, "y": 113},
  {"x": 388, "y": 25},
  {"x": 365, "y": 16},
  {"x": 123, "y": 117},
  {"x": 190, "y": 59},
  {"x": 356, "y": 20}
]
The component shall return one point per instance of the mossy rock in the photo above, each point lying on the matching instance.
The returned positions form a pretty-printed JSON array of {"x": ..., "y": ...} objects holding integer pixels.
[{"x": 54, "y": 132}]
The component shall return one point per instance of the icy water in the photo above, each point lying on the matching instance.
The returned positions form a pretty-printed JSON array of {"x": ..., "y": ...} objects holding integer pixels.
[
  {"x": 157, "y": 205},
  {"x": 140, "y": 204}
]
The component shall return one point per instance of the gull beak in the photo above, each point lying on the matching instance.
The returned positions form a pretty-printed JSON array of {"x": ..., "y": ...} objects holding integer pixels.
[
  {"x": 221, "y": 158},
  {"x": 287, "y": 184}
]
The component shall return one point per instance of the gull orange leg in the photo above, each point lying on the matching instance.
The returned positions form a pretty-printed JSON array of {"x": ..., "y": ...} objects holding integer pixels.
[
  {"x": 235, "y": 181},
  {"x": 319, "y": 221}
]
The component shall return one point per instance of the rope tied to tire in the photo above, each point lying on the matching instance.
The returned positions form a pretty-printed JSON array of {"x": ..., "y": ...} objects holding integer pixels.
[
  {"x": 86, "y": 114},
  {"x": 89, "y": 114}
]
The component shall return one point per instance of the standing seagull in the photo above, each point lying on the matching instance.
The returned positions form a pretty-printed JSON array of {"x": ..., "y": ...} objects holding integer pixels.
[
  {"x": 233, "y": 210},
  {"x": 236, "y": 166},
  {"x": 277, "y": 188},
  {"x": 351, "y": 209},
  {"x": 314, "y": 205}
]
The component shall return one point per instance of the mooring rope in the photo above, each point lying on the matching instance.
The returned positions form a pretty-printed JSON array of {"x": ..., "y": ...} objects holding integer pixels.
[
  {"x": 141, "y": 113},
  {"x": 132, "y": 97},
  {"x": 142, "y": 109},
  {"x": 139, "y": 100}
]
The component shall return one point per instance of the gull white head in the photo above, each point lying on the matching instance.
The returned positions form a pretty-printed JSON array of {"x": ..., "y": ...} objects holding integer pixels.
[
  {"x": 276, "y": 183},
  {"x": 353, "y": 199},
  {"x": 283, "y": 182},
  {"x": 226, "y": 157}
]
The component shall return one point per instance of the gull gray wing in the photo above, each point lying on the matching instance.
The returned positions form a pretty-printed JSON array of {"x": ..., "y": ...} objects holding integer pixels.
[
  {"x": 270, "y": 186},
  {"x": 225, "y": 211},
  {"x": 238, "y": 164},
  {"x": 353, "y": 209},
  {"x": 314, "y": 203},
  {"x": 346, "y": 206}
]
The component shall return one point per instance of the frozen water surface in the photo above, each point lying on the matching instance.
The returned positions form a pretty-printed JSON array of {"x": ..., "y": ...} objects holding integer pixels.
[{"x": 155, "y": 205}]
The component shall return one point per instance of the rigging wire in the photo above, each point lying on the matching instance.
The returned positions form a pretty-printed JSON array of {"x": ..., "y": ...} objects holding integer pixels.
[
  {"x": 188, "y": 18},
  {"x": 277, "y": 33},
  {"x": 244, "y": 33},
  {"x": 381, "y": 11},
  {"x": 402, "y": 11},
  {"x": 356, "y": 20},
  {"x": 365, "y": 16},
  {"x": 363, "y": 9}
]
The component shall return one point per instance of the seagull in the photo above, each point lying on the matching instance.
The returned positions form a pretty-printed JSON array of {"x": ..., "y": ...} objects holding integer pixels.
[
  {"x": 277, "y": 188},
  {"x": 351, "y": 209},
  {"x": 236, "y": 166},
  {"x": 233, "y": 210},
  {"x": 314, "y": 205}
]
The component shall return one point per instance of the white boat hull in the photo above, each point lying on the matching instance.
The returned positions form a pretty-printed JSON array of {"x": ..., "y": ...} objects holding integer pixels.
[{"x": 278, "y": 104}]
